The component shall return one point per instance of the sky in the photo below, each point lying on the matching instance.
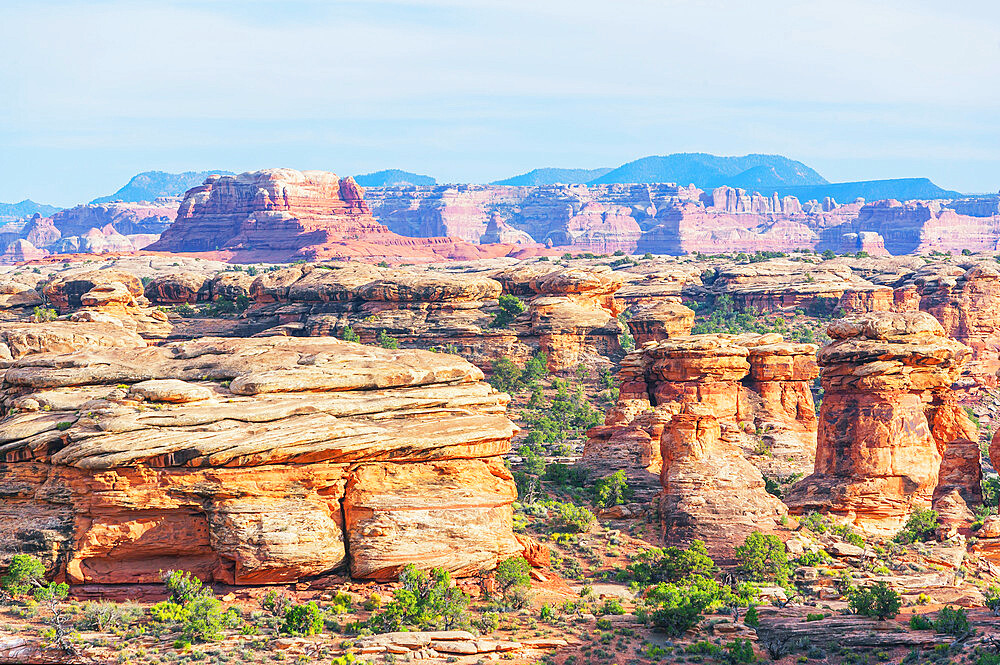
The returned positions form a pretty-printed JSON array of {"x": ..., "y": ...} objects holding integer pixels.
[{"x": 477, "y": 90}]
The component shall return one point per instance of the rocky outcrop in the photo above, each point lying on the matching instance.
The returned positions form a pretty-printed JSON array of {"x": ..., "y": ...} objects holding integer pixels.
[
  {"x": 662, "y": 320},
  {"x": 570, "y": 314},
  {"x": 710, "y": 491},
  {"x": 253, "y": 461},
  {"x": 106, "y": 296},
  {"x": 887, "y": 379},
  {"x": 784, "y": 284},
  {"x": 283, "y": 214},
  {"x": 967, "y": 304},
  {"x": 738, "y": 395}
]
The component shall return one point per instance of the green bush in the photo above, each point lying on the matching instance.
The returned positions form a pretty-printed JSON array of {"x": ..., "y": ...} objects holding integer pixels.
[
  {"x": 952, "y": 621},
  {"x": 878, "y": 601},
  {"x": 612, "y": 490},
  {"x": 425, "y": 601},
  {"x": 572, "y": 517},
  {"x": 386, "y": 341},
  {"x": 739, "y": 651},
  {"x": 105, "y": 616},
  {"x": 511, "y": 573},
  {"x": 922, "y": 525},
  {"x": 671, "y": 564},
  {"x": 45, "y": 314},
  {"x": 183, "y": 587},
  {"x": 306, "y": 619},
  {"x": 612, "y": 606},
  {"x": 920, "y": 622},
  {"x": 24, "y": 575},
  {"x": 203, "y": 621},
  {"x": 348, "y": 334},
  {"x": 510, "y": 308},
  {"x": 675, "y": 608},
  {"x": 752, "y": 619},
  {"x": 992, "y": 596},
  {"x": 762, "y": 558},
  {"x": 565, "y": 475}
]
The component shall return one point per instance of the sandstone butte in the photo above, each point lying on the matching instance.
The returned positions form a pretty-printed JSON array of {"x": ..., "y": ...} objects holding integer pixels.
[
  {"x": 689, "y": 408},
  {"x": 892, "y": 438},
  {"x": 247, "y": 461},
  {"x": 284, "y": 214}
]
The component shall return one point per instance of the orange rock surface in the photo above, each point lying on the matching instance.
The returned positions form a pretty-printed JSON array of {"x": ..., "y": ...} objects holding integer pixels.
[
  {"x": 253, "y": 461},
  {"x": 877, "y": 457}
]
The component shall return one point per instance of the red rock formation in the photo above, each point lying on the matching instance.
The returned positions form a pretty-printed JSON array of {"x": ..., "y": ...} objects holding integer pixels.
[
  {"x": 967, "y": 303},
  {"x": 877, "y": 458},
  {"x": 710, "y": 491},
  {"x": 746, "y": 383},
  {"x": 570, "y": 313},
  {"x": 253, "y": 462},
  {"x": 22, "y": 250},
  {"x": 65, "y": 291},
  {"x": 278, "y": 214},
  {"x": 662, "y": 320}
]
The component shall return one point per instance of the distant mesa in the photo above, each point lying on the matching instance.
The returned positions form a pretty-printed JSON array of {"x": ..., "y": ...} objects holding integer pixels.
[
  {"x": 394, "y": 178},
  {"x": 151, "y": 185},
  {"x": 710, "y": 171},
  {"x": 551, "y": 176}
]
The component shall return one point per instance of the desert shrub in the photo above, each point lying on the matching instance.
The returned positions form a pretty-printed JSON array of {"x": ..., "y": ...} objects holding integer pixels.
[
  {"x": 612, "y": 606},
  {"x": 372, "y": 602},
  {"x": 612, "y": 490},
  {"x": 510, "y": 308},
  {"x": 878, "y": 601},
  {"x": 424, "y": 600},
  {"x": 24, "y": 574},
  {"x": 505, "y": 376},
  {"x": 45, "y": 314},
  {"x": 739, "y": 651},
  {"x": 813, "y": 558},
  {"x": 751, "y": 618},
  {"x": 305, "y": 619},
  {"x": 167, "y": 612},
  {"x": 182, "y": 586},
  {"x": 762, "y": 558},
  {"x": 51, "y": 591},
  {"x": 386, "y": 341},
  {"x": 952, "y": 621},
  {"x": 274, "y": 603},
  {"x": 574, "y": 518},
  {"x": 512, "y": 573},
  {"x": 920, "y": 622},
  {"x": 670, "y": 564},
  {"x": 348, "y": 334},
  {"x": 675, "y": 608},
  {"x": 992, "y": 596},
  {"x": 566, "y": 475},
  {"x": 489, "y": 622},
  {"x": 546, "y": 613},
  {"x": 105, "y": 616},
  {"x": 922, "y": 525},
  {"x": 203, "y": 620}
]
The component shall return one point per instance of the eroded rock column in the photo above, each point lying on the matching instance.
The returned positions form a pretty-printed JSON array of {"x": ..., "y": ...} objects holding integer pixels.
[{"x": 877, "y": 458}]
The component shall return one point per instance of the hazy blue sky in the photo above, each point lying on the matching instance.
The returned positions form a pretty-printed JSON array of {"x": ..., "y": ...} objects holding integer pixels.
[{"x": 475, "y": 90}]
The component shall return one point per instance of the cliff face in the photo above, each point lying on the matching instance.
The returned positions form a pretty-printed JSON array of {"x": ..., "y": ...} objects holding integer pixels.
[
  {"x": 280, "y": 214},
  {"x": 882, "y": 432},
  {"x": 570, "y": 313},
  {"x": 253, "y": 461},
  {"x": 687, "y": 421}
]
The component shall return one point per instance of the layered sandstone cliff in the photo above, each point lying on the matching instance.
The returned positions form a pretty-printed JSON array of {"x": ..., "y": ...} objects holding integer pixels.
[
  {"x": 887, "y": 422},
  {"x": 570, "y": 314},
  {"x": 253, "y": 461},
  {"x": 283, "y": 214},
  {"x": 686, "y": 401}
]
